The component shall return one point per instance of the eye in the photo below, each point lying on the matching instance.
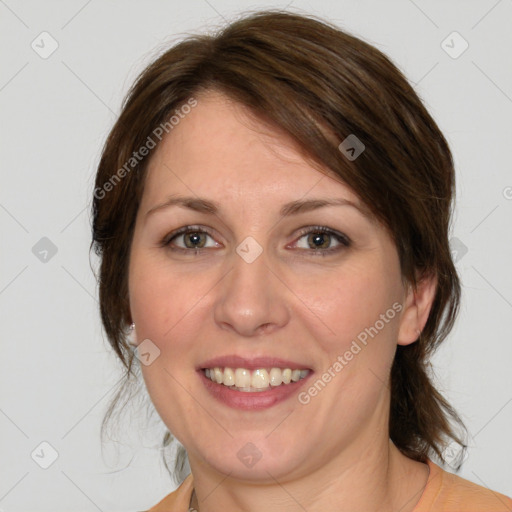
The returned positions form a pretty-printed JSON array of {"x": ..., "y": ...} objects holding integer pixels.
[
  {"x": 319, "y": 240},
  {"x": 193, "y": 237}
]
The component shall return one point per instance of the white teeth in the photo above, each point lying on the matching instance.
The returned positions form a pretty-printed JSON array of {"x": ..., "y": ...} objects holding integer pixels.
[
  {"x": 260, "y": 379},
  {"x": 229, "y": 377},
  {"x": 275, "y": 377},
  {"x": 295, "y": 375},
  {"x": 218, "y": 375},
  {"x": 242, "y": 378}
]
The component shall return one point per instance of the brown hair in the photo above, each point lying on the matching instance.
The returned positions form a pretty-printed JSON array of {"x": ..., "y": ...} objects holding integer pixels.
[{"x": 319, "y": 84}]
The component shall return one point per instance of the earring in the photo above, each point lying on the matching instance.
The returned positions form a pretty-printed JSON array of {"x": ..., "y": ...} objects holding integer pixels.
[{"x": 132, "y": 336}]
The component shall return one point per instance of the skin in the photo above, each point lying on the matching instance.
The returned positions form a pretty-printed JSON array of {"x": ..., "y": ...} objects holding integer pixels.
[{"x": 333, "y": 453}]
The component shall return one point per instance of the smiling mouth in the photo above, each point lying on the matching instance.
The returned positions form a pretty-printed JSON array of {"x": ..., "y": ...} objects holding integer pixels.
[{"x": 257, "y": 380}]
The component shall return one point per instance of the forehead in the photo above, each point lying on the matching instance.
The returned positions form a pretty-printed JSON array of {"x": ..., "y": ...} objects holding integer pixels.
[{"x": 220, "y": 148}]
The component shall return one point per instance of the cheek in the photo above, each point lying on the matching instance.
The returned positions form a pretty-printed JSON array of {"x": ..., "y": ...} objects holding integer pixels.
[
  {"x": 359, "y": 309},
  {"x": 351, "y": 301},
  {"x": 161, "y": 299},
  {"x": 165, "y": 307}
]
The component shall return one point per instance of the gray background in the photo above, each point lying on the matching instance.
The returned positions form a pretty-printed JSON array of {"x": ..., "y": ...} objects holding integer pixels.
[{"x": 57, "y": 373}]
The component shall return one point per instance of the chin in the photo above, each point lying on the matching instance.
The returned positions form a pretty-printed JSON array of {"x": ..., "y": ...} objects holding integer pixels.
[{"x": 256, "y": 461}]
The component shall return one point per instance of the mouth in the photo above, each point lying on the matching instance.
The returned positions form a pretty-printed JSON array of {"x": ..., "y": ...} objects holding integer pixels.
[
  {"x": 252, "y": 384},
  {"x": 254, "y": 381}
]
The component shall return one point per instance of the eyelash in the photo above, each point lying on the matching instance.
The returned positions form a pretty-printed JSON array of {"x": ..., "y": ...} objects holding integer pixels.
[{"x": 339, "y": 237}]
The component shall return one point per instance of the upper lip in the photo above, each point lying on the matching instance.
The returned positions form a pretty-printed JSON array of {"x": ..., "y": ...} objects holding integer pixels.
[{"x": 251, "y": 363}]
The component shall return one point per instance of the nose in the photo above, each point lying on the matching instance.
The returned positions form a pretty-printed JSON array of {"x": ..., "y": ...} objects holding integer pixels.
[{"x": 252, "y": 300}]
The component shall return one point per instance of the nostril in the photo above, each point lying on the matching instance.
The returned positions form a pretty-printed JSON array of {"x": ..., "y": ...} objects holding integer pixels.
[{"x": 265, "y": 327}]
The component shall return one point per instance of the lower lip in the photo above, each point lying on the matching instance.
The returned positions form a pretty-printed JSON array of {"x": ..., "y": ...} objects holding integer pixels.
[{"x": 256, "y": 400}]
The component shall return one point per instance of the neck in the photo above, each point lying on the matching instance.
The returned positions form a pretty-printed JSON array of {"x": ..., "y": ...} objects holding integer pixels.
[{"x": 377, "y": 477}]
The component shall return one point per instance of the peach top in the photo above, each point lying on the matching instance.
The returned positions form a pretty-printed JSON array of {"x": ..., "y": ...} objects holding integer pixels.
[{"x": 444, "y": 492}]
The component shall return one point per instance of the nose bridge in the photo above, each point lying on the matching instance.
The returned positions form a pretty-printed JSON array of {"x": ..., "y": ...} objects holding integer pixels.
[{"x": 251, "y": 297}]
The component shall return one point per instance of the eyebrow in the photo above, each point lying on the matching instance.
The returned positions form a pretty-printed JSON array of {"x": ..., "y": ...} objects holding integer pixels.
[{"x": 207, "y": 206}]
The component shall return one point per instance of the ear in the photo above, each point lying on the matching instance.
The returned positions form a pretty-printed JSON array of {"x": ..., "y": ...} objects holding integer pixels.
[{"x": 418, "y": 303}]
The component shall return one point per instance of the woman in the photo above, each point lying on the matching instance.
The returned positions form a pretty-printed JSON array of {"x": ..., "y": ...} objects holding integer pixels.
[{"x": 272, "y": 211}]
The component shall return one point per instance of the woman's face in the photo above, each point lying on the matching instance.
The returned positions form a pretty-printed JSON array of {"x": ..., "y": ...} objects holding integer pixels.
[{"x": 259, "y": 281}]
